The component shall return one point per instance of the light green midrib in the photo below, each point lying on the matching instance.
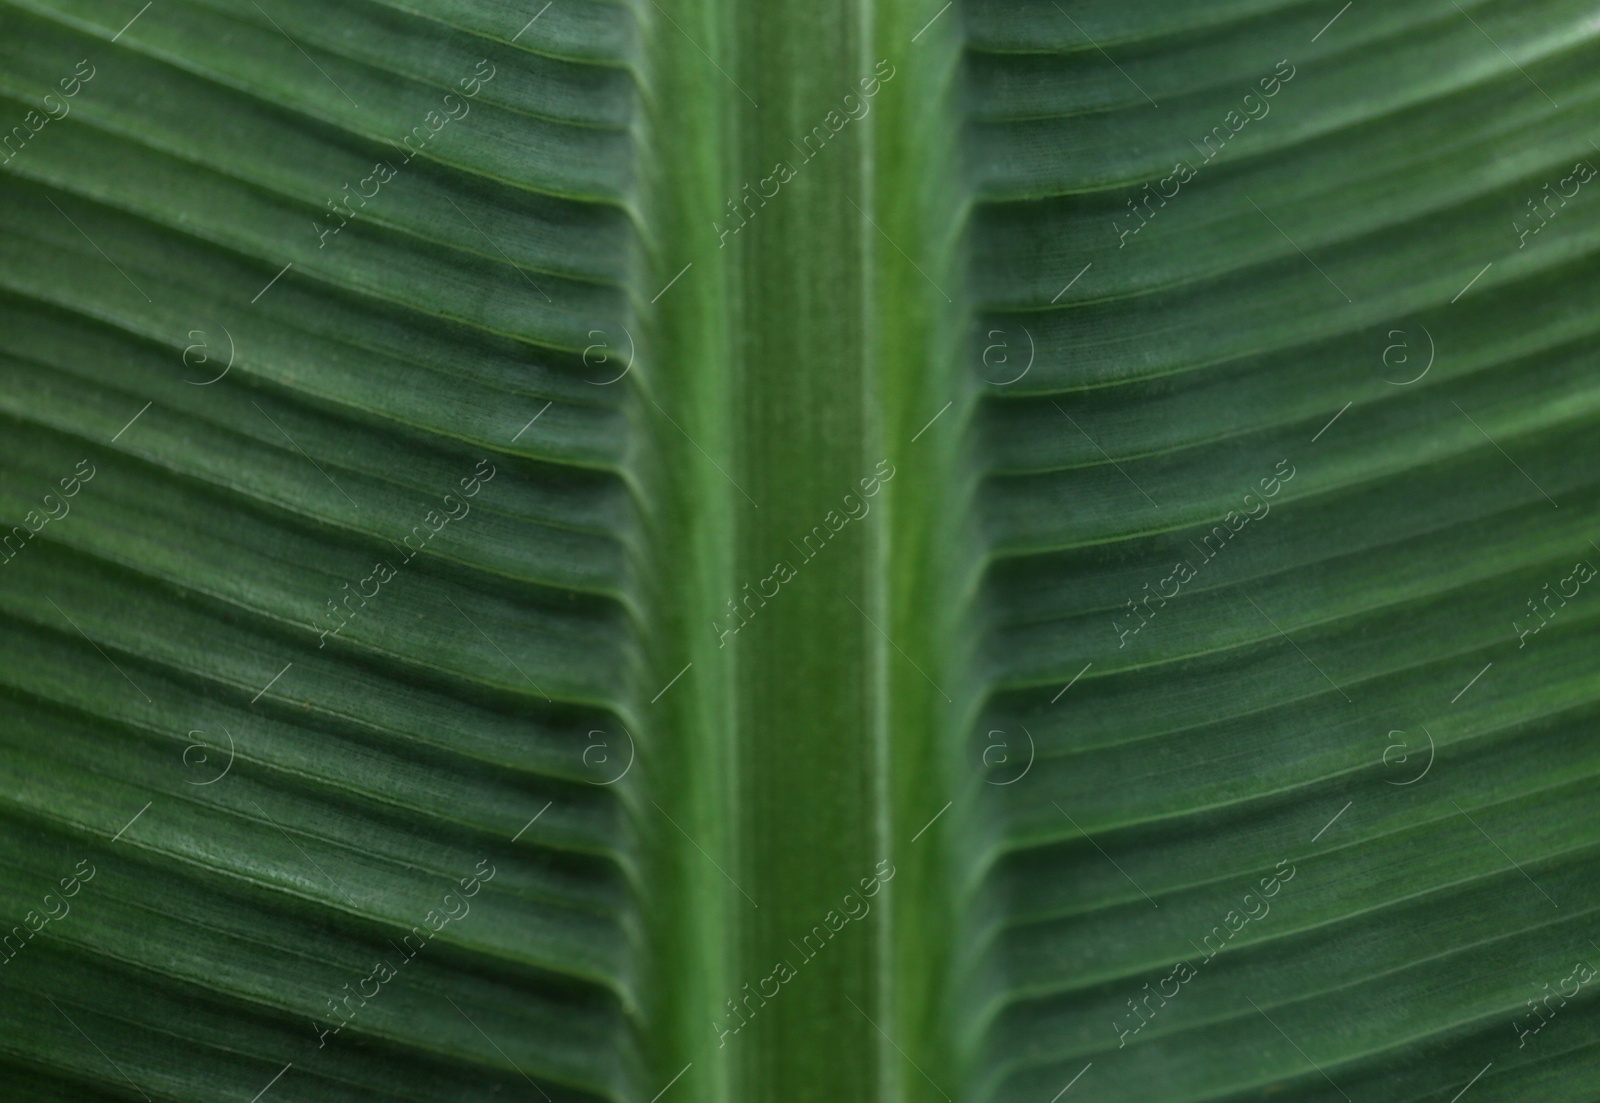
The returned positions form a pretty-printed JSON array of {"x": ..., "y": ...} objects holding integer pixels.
[{"x": 799, "y": 796}]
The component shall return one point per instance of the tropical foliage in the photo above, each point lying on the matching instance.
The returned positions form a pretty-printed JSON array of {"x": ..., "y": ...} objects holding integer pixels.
[{"x": 690, "y": 550}]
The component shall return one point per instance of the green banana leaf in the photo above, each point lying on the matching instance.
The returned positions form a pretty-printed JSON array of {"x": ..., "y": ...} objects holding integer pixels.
[{"x": 1027, "y": 550}]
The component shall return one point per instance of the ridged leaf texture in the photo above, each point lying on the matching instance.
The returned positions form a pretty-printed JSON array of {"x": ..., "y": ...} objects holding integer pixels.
[{"x": 1019, "y": 551}]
